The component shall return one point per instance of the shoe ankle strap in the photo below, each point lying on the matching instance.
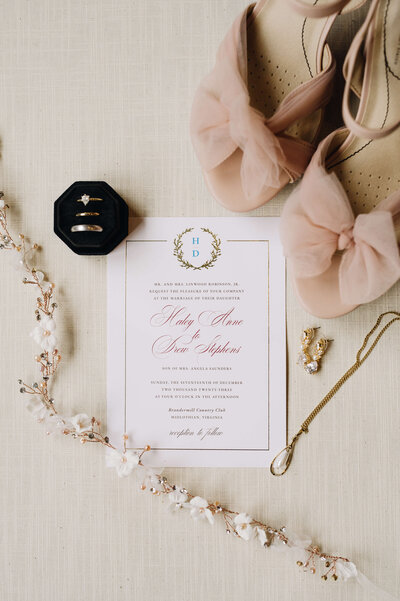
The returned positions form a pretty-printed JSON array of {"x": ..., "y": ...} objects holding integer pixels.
[
  {"x": 364, "y": 37},
  {"x": 309, "y": 10}
]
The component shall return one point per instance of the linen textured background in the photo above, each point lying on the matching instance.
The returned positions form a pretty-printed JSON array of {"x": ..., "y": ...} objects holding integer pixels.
[{"x": 101, "y": 89}]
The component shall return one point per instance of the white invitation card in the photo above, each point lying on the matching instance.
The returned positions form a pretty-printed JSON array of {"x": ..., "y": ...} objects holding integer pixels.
[{"x": 197, "y": 341}]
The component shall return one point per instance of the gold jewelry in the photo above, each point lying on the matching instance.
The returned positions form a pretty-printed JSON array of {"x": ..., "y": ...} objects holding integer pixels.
[
  {"x": 307, "y": 336},
  {"x": 86, "y": 227},
  {"x": 280, "y": 464},
  {"x": 318, "y": 351},
  {"x": 85, "y": 198},
  {"x": 87, "y": 214}
]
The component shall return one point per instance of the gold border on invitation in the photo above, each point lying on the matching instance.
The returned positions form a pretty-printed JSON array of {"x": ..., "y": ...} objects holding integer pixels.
[{"x": 268, "y": 351}]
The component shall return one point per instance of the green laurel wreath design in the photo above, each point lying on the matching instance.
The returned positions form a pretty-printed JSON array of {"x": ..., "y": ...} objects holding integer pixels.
[{"x": 215, "y": 253}]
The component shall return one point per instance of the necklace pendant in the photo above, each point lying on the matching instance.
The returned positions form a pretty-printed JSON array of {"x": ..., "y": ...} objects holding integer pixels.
[{"x": 282, "y": 461}]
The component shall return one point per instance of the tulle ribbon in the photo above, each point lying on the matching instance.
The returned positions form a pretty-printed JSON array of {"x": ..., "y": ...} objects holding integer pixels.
[
  {"x": 318, "y": 221},
  {"x": 223, "y": 120},
  {"x": 231, "y": 123}
]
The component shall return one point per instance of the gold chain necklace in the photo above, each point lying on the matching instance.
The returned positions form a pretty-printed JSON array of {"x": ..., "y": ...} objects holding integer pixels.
[{"x": 282, "y": 461}]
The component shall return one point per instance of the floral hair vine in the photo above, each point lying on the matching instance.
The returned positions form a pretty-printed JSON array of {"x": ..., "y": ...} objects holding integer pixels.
[{"x": 40, "y": 403}]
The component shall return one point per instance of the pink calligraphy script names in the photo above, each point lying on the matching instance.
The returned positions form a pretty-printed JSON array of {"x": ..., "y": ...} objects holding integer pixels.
[
  {"x": 165, "y": 345},
  {"x": 218, "y": 347},
  {"x": 172, "y": 315},
  {"x": 216, "y": 318}
]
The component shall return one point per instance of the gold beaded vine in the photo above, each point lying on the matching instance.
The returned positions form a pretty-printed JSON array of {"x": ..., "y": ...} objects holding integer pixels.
[{"x": 335, "y": 566}]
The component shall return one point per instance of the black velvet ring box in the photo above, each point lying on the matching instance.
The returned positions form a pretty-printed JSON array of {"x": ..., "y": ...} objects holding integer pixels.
[{"x": 112, "y": 218}]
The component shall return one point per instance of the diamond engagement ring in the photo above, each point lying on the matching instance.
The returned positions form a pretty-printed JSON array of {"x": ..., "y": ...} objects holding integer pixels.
[{"x": 85, "y": 198}]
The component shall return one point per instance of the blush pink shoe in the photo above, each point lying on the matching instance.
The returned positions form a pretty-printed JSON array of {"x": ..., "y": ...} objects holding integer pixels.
[
  {"x": 340, "y": 228},
  {"x": 256, "y": 116}
]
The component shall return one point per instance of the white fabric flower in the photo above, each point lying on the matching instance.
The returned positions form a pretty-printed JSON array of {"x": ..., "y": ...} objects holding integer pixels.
[
  {"x": 177, "y": 500},
  {"x": 40, "y": 276},
  {"x": 81, "y": 422},
  {"x": 44, "y": 335},
  {"x": 124, "y": 463},
  {"x": 199, "y": 509},
  {"x": 345, "y": 569},
  {"x": 152, "y": 479},
  {"x": 243, "y": 528},
  {"x": 46, "y": 286},
  {"x": 55, "y": 424},
  {"x": 18, "y": 261},
  {"x": 37, "y": 408},
  {"x": 297, "y": 553},
  {"x": 297, "y": 540},
  {"x": 261, "y": 535}
]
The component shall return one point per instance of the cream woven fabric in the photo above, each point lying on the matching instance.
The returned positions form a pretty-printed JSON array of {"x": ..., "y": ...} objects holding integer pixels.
[{"x": 101, "y": 89}]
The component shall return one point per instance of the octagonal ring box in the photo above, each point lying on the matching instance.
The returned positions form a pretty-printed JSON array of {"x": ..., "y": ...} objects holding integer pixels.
[{"x": 113, "y": 216}]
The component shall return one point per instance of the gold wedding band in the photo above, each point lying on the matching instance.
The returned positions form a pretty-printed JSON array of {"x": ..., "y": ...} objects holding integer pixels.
[
  {"x": 86, "y": 227},
  {"x": 87, "y": 214}
]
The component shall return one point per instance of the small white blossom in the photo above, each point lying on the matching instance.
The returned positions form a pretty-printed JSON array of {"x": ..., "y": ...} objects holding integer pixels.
[
  {"x": 41, "y": 279},
  {"x": 18, "y": 261},
  {"x": 261, "y": 535},
  {"x": 243, "y": 528},
  {"x": 297, "y": 540},
  {"x": 2, "y": 203},
  {"x": 37, "y": 408},
  {"x": 297, "y": 553},
  {"x": 152, "y": 479},
  {"x": 199, "y": 509},
  {"x": 44, "y": 335},
  {"x": 55, "y": 424},
  {"x": 81, "y": 423},
  {"x": 177, "y": 500},
  {"x": 345, "y": 569},
  {"x": 124, "y": 463}
]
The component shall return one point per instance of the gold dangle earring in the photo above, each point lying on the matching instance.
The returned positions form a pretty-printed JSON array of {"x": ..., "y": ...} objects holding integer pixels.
[
  {"x": 307, "y": 336},
  {"x": 318, "y": 351}
]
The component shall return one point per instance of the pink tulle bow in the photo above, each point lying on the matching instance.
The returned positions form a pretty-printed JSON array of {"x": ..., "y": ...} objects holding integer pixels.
[
  {"x": 222, "y": 119},
  {"x": 317, "y": 221}
]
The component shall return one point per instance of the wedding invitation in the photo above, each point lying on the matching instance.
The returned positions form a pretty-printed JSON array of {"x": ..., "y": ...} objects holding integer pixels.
[{"x": 197, "y": 341}]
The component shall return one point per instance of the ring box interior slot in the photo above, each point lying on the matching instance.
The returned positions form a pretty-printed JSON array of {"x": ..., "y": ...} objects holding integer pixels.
[{"x": 113, "y": 218}]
